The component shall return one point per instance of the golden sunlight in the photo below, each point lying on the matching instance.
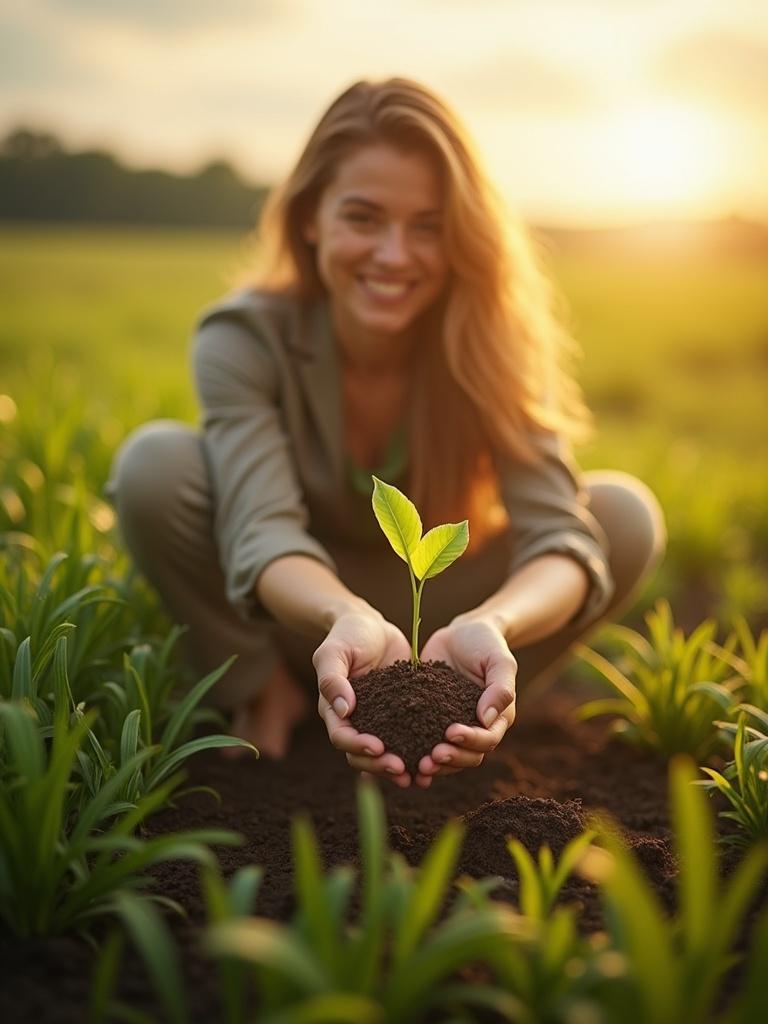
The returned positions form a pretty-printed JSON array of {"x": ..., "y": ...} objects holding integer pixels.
[{"x": 665, "y": 154}]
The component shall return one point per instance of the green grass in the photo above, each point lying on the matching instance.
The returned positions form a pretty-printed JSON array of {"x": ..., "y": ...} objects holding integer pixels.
[{"x": 95, "y": 334}]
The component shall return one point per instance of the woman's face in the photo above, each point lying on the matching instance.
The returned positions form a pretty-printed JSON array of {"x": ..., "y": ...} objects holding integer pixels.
[{"x": 379, "y": 242}]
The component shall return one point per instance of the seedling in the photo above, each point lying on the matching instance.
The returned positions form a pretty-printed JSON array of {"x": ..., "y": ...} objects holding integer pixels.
[
  {"x": 744, "y": 780},
  {"x": 673, "y": 686},
  {"x": 425, "y": 556}
]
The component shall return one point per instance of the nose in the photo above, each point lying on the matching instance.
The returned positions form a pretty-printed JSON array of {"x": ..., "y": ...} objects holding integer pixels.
[{"x": 392, "y": 248}]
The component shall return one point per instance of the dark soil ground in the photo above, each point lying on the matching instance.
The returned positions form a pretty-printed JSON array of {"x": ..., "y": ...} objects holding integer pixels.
[{"x": 539, "y": 786}]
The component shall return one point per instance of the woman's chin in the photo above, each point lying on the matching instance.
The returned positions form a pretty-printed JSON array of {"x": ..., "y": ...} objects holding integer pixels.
[{"x": 386, "y": 321}]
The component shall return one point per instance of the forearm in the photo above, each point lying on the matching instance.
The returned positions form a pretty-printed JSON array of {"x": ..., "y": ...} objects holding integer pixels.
[
  {"x": 304, "y": 595},
  {"x": 537, "y": 601}
]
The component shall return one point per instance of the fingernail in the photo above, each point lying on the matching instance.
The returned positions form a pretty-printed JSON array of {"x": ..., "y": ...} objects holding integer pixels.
[
  {"x": 445, "y": 759},
  {"x": 489, "y": 717},
  {"x": 456, "y": 740},
  {"x": 369, "y": 751},
  {"x": 340, "y": 706},
  {"x": 392, "y": 771}
]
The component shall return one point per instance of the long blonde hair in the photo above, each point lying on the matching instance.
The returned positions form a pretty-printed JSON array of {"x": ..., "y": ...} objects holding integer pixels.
[{"x": 493, "y": 346}]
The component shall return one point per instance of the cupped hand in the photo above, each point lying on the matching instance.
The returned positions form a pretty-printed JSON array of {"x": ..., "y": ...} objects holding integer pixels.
[
  {"x": 476, "y": 648},
  {"x": 358, "y": 642}
]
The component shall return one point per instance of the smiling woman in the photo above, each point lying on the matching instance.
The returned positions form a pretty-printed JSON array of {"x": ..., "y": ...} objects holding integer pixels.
[{"x": 397, "y": 325}]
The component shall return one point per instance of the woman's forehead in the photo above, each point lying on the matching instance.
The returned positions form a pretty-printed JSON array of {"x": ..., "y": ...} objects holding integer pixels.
[{"x": 381, "y": 174}]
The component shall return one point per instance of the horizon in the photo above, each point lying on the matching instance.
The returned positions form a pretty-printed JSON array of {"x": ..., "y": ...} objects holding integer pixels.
[
  {"x": 641, "y": 223},
  {"x": 627, "y": 112}
]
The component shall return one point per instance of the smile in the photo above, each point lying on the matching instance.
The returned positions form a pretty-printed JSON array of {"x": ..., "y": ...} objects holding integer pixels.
[{"x": 385, "y": 289}]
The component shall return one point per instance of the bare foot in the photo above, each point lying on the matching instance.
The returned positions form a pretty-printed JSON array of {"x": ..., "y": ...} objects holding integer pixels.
[{"x": 268, "y": 720}]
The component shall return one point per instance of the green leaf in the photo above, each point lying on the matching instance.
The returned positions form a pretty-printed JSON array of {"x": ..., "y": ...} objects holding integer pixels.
[
  {"x": 398, "y": 518},
  {"x": 104, "y": 976},
  {"x": 372, "y": 831},
  {"x": 243, "y": 889},
  {"x": 486, "y": 997},
  {"x": 438, "y": 548},
  {"x": 180, "y": 716},
  {"x": 129, "y": 737},
  {"x": 22, "y": 671},
  {"x": 741, "y": 889},
  {"x": 616, "y": 678},
  {"x": 329, "y": 1008},
  {"x": 461, "y": 940},
  {"x": 272, "y": 945},
  {"x": 604, "y": 706},
  {"x": 23, "y": 739},
  {"x": 695, "y": 847},
  {"x": 311, "y": 895},
  {"x": 168, "y": 764},
  {"x": 752, "y": 999},
  {"x": 639, "y": 929},
  {"x": 152, "y": 939},
  {"x": 435, "y": 875}
]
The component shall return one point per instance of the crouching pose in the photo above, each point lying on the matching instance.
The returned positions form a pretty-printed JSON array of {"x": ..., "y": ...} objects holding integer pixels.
[{"x": 397, "y": 324}]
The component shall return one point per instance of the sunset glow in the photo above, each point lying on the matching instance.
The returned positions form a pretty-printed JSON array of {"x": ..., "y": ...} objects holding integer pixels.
[
  {"x": 668, "y": 154},
  {"x": 584, "y": 112}
]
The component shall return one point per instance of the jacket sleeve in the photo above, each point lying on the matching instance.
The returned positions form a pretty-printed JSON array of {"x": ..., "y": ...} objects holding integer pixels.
[
  {"x": 547, "y": 508},
  {"x": 259, "y": 509}
]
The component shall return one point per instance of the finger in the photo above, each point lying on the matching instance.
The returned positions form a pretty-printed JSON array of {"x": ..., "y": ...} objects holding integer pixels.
[
  {"x": 344, "y": 736},
  {"x": 381, "y": 766},
  {"x": 475, "y": 738},
  {"x": 498, "y": 695},
  {"x": 420, "y": 777},
  {"x": 387, "y": 764},
  {"x": 332, "y": 670},
  {"x": 447, "y": 757}
]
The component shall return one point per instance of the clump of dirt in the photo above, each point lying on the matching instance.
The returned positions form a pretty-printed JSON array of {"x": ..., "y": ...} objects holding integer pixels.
[
  {"x": 409, "y": 707},
  {"x": 533, "y": 822}
]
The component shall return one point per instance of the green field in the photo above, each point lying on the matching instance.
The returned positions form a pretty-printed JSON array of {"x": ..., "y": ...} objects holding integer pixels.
[{"x": 94, "y": 340}]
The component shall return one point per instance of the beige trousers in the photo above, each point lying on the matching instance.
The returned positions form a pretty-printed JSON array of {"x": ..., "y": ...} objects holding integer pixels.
[{"x": 160, "y": 487}]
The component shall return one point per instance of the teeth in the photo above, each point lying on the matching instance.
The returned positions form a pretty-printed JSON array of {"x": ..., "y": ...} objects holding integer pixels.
[{"x": 387, "y": 289}]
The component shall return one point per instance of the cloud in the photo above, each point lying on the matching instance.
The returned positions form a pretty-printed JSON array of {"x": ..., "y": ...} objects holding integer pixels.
[
  {"x": 722, "y": 67},
  {"x": 172, "y": 17},
  {"x": 29, "y": 57},
  {"x": 516, "y": 81}
]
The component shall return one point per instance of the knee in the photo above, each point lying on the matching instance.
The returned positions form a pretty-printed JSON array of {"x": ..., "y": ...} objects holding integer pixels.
[
  {"x": 633, "y": 521},
  {"x": 149, "y": 466}
]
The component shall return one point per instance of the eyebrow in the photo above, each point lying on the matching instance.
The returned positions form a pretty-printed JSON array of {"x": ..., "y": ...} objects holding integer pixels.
[{"x": 360, "y": 201}]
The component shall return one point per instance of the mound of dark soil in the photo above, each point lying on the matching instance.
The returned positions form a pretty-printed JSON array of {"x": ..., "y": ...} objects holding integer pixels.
[{"x": 409, "y": 707}]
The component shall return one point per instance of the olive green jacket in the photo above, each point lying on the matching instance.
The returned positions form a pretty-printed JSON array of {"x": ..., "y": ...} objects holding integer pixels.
[{"x": 267, "y": 377}]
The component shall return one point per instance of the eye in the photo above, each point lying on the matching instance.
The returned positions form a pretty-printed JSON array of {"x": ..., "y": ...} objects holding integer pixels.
[
  {"x": 359, "y": 217},
  {"x": 428, "y": 227}
]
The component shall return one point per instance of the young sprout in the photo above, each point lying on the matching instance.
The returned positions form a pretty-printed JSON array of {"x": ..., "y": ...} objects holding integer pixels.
[{"x": 425, "y": 556}]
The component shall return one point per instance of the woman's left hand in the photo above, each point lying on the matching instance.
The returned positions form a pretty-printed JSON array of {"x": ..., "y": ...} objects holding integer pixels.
[{"x": 476, "y": 648}]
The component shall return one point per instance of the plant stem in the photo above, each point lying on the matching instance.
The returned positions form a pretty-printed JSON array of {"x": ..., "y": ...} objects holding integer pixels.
[{"x": 416, "y": 620}]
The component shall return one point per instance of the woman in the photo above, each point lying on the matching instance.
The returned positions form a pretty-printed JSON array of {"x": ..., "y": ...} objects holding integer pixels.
[{"x": 400, "y": 327}]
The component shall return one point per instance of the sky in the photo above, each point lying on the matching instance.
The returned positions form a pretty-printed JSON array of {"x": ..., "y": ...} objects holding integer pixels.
[{"x": 585, "y": 112}]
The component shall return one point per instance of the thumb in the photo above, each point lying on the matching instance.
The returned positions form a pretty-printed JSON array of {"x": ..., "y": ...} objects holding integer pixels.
[
  {"x": 499, "y": 692},
  {"x": 331, "y": 662}
]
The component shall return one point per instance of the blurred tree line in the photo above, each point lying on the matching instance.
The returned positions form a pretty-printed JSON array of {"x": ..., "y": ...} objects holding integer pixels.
[{"x": 41, "y": 181}]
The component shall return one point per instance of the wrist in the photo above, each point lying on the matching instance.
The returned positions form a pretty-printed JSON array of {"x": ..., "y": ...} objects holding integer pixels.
[
  {"x": 492, "y": 617},
  {"x": 348, "y": 605}
]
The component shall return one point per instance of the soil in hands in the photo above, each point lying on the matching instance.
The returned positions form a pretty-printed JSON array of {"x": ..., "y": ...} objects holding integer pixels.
[{"x": 409, "y": 707}]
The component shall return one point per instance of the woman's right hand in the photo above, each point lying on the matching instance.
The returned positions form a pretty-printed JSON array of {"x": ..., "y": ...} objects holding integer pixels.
[{"x": 358, "y": 642}]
